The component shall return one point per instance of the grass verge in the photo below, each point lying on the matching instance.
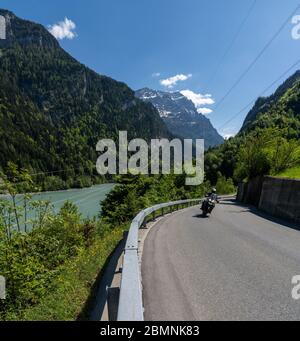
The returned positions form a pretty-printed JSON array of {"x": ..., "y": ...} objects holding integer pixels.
[{"x": 292, "y": 173}]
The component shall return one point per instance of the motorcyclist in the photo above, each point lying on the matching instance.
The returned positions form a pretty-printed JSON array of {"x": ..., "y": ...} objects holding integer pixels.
[{"x": 213, "y": 195}]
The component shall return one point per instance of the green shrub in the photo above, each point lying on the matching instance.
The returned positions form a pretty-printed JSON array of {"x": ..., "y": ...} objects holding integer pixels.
[
  {"x": 54, "y": 183},
  {"x": 31, "y": 262},
  {"x": 73, "y": 283},
  {"x": 82, "y": 182},
  {"x": 225, "y": 186}
]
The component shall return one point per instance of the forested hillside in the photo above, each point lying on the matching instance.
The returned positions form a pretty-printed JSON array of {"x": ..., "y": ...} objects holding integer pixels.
[
  {"x": 282, "y": 109},
  {"x": 53, "y": 110},
  {"x": 268, "y": 142}
]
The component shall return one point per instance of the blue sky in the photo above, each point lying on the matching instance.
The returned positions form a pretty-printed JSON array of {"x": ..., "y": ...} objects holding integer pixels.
[{"x": 144, "y": 42}]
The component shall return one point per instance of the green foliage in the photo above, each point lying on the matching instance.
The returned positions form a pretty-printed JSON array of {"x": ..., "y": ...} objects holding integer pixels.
[
  {"x": 73, "y": 283},
  {"x": 253, "y": 159},
  {"x": 222, "y": 160},
  {"x": 53, "y": 183},
  {"x": 264, "y": 152},
  {"x": 31, "y": 261},
  {"x": 58, "y": 255},
  {"x": 284, "y": 154},
  {"x": 82, "y": 181},
  {"x": 225, "y": 186}
]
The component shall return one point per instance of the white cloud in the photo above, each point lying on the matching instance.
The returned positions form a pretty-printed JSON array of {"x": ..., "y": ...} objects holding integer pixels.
[
  {"x": 63, "y": 29},
  {"x": 156, "y": 74},
  {"x": 204, "y": 111},
  {"x": 229, "y": 132},
  {"x": 228, "y": 136},
  {"x": 172, "y": 81},
  {"x": 199, "y": 100}
]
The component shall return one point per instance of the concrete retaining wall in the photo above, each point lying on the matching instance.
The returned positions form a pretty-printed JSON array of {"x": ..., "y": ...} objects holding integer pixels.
[
  {"x": 281, "y": 198},
  {"x": 241, "y": 191},
  {"x": 253, "y": 192},
  {"x": 250, "y": 192},
  {"x": 278, "y": 197}
]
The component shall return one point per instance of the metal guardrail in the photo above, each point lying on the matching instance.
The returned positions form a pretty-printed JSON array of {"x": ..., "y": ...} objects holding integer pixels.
[{"x": 131, "y": 302}]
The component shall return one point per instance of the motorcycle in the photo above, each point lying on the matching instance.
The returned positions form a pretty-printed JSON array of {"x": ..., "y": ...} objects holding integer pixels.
[{"x": 207, "y": 206}]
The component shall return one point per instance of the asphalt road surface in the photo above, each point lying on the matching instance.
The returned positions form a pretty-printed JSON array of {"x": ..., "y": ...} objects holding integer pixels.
[{"x": 236, "y": 265}]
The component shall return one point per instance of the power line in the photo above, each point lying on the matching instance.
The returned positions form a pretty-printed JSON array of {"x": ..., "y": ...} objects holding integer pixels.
[
  {"x": 261, "y": 94},
  {"x": 56, "y": 171},
  {"x": 256, "y": 58},
  {"x": 220, "y": 63}
]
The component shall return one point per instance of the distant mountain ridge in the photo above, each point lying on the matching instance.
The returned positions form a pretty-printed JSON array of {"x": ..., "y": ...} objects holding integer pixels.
[
  {"x": 54, "y": 110},
  {"x": 181, "y": 116}
]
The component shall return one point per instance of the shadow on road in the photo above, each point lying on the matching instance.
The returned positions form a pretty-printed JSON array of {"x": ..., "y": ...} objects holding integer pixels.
[
  {"x": 266, "y": 216},
  {"x": 200, "y": 216},
  {"x": 256, "y": 211}
]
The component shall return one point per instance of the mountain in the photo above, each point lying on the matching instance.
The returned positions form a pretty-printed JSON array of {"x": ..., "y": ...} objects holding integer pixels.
[
  {"x": 282, "y": 109},
  {"x": 181, "y": 116},
  {"x": 53, "y": 109}
]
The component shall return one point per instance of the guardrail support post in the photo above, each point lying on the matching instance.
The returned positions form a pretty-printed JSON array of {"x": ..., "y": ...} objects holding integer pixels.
[{"x": 144, "y": 225}]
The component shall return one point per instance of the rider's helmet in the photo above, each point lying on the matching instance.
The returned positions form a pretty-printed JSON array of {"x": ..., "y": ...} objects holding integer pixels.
[{"x": 214, "y": 190}]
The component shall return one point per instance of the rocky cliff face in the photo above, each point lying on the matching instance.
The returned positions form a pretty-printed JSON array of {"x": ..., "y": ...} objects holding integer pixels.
[
  {"x": 181, "y": 116},
  {"x": 25, "y": 33}
]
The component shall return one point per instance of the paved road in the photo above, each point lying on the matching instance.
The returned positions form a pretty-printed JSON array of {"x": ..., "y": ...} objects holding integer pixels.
[{"x": 235, "y": 265}]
